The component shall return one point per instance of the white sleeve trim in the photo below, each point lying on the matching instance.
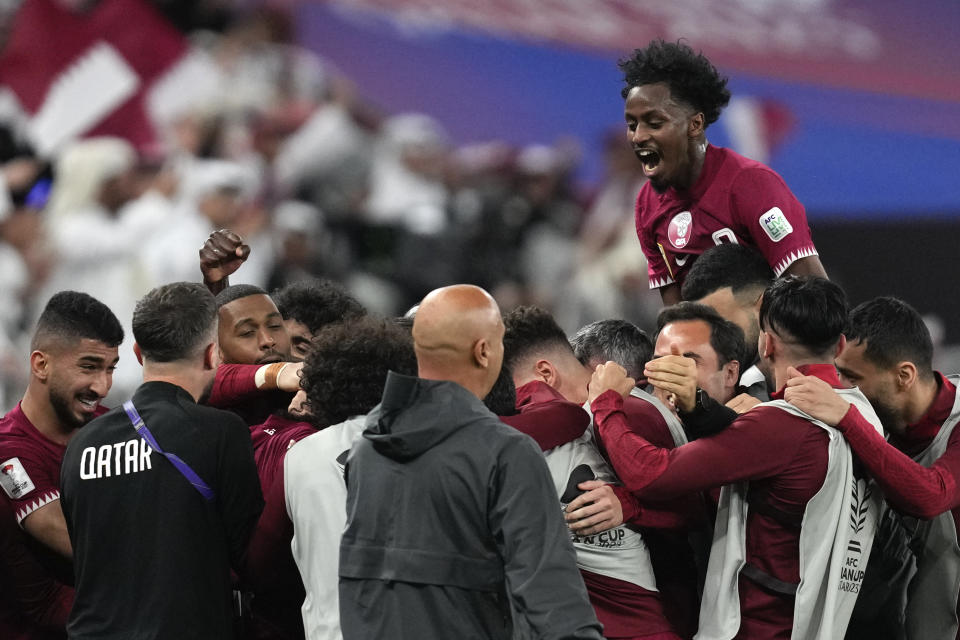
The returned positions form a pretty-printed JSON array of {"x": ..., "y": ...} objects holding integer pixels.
[
  {"x": 656, "y": 283},
  {"x": 792, "y": 257},
  {"x": 35, "y": 504}
]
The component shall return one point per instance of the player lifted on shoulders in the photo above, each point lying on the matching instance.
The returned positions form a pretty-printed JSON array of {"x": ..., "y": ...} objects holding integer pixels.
[{"x": 698, "y": 195}]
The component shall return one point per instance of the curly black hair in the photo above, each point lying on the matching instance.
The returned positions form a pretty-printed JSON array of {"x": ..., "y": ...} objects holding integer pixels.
[
  {"x": 346, "y": 367},
  {"x": 690, "y": 75},
  {"x": 317, "y": 303},
  {"x": 528, "y": 329}
]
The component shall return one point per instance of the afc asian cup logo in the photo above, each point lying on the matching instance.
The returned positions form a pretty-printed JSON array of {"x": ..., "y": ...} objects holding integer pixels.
[{"x": 679, "y": 230}]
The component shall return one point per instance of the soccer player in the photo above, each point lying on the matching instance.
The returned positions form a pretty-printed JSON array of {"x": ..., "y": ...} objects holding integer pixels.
[
  {"x": 698, "y": 195},
  {"x": 697, "y": 359},
  {"x": 889, "y": 356},
  {"x": 731, "y": 278},
  {"x": 343, "y": 377},
  {"x": 73, "y": 354},
  {"x": 620, "y": 578},
  {"x": 785, "y": 560}
]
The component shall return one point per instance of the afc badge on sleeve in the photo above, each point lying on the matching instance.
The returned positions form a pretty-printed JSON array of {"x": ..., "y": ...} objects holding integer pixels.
[
  {"x": 14, "y": 479},
  {"x": 775, "y": 224}
]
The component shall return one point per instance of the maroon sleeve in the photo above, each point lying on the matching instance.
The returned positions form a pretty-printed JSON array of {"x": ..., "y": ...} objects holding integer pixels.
[
  {"x": 232, "y": 383},
  {"x": 551, "y": 423},
  {"x": 683, "y": 512},
  {"x": 777, "y": 221},
  {"x": 907, "y": 485},
  {"x": 37, "y": 595},
  {"x": 269, "y": 559},
  {"x": 729, "y": 456}
]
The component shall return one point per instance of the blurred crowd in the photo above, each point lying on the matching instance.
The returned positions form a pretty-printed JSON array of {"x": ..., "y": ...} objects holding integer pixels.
[{"x": 276, "y": 145}]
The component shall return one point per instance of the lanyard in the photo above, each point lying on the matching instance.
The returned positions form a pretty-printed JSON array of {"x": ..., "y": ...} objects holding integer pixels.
[{"x": 180, "y": 465}]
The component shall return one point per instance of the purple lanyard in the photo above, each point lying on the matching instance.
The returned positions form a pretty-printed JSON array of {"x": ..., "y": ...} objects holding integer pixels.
[{"x": 181, "y": 466}]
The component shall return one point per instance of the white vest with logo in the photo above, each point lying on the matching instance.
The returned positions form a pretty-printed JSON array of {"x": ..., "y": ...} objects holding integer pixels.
[
  {"x": 835, "y": 540},
  {"x": 619, "y": 553}
]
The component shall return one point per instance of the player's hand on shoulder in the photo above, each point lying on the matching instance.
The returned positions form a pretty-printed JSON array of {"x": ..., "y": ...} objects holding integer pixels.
[
  {"x": 815, "y": 397},
  {"x": 743, "y": 403}
]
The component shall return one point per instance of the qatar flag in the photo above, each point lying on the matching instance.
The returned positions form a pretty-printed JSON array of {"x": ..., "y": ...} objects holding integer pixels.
[{"x": 90, "y": 70}]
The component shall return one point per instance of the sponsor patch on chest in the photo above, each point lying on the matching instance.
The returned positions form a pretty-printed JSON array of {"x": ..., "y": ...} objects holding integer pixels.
[
  {"x": 775, "y": 224},
  {"x": 14, "y": 479}
]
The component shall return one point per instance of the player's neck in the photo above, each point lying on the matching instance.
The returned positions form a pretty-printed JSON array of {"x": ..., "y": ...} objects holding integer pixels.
[
  {"x": 698, "y": 154},
  {"x": 36, "y": 406}
]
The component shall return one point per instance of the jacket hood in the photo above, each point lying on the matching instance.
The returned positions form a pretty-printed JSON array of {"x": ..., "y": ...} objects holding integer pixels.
[{"x": 415, "y": 415}]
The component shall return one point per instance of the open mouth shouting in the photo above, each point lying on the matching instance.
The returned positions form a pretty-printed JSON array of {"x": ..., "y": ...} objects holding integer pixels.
[{"x": 649, "y": 158}]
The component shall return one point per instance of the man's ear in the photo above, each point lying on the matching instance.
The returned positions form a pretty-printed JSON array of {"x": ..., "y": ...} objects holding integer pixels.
[
  {"x": 841, "y": 345},
  {"x": 481, "y": 353},
  {"x": 40, "y": 365},
  {"x": 136, "y": 352},
  {"x": 906, "y": 373},
  {"x": 545, "y": 370},
  {"x": 211, "y": 356},
  {"x": 731, "y": 374},
  {"x": 696, "y": 126},
  {"x": 767, "y": 343}
]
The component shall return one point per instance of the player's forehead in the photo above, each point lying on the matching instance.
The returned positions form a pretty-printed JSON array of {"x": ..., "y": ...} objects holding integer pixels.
[
  {"x": 85, "y": 349},
  {"x": 853, "y": 359},
  {"x": 692, "y": 336},
  {"x": 651, "y": 98},
  {"x": 253, "y": 308}
]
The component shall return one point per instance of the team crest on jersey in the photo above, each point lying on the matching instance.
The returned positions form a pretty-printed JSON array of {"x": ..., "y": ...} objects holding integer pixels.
[
  {"x": 775, "y": 224},
  {"x": 14, "y": 479},
  {"x": 679, "y": 230}
]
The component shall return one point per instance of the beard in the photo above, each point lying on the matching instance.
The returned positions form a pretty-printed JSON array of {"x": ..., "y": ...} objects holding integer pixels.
[
  {"x": 889, "y": 417},
  {"x": 61, "y": 401}
]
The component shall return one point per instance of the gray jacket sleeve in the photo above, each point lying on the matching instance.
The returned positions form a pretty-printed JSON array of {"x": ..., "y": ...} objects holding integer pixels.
[{"x": 539, "y": 560}]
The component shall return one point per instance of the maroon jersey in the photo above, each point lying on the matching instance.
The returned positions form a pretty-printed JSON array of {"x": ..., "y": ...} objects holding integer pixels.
[
  {"x": 30, "y": 475},
  {"x": 270, "y": 443},
  {"x": 29, "y": 464},
  {"x": 35, "y": 605},
  {"x": 735, "y": 199}
]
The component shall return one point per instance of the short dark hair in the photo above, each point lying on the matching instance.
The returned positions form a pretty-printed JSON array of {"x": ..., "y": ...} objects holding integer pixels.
[
  {"x": 811, "y": 311},
  {"x": 347, "y": 364},
  {"x": 690, "y": 75},
  {"x": 528, "y": 329},
  {"x": 727, "y": 265},
  {"x": 74, "y": 315},
  {"x": 174, "y": 321},
  {"x": 317, "y": 303},
  {"x": 726, "y": 338},
  {"x": 617, "y": 340},
  {"x": 237, "y": 291},
  {"x": 893, "y": 332},
  {"x": 502, "y": 398}
]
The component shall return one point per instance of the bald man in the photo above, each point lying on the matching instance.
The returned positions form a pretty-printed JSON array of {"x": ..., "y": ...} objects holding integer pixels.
[{"x": 451, "y": 515}]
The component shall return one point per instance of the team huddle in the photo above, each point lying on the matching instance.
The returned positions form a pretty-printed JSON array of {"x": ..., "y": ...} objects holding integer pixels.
[{"x": 767, "y": 464}]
